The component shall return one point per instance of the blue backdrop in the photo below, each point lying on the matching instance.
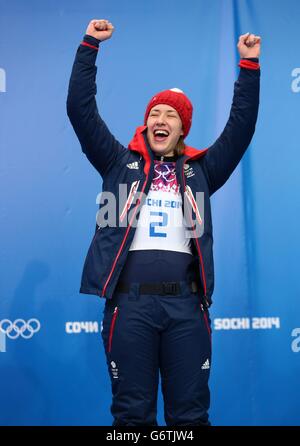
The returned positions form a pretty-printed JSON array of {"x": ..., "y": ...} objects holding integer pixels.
[{"x": 52, "y": 363}]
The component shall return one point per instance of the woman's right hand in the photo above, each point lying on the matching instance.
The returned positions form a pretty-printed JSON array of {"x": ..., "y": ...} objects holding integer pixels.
[{"x": 100, "y": 29}]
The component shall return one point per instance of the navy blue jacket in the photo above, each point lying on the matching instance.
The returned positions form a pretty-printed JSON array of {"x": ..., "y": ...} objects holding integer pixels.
[{"x": 211, "y": 166}]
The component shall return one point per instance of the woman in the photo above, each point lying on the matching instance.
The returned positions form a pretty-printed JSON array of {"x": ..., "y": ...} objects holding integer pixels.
[{"x": 153, "y": 261}]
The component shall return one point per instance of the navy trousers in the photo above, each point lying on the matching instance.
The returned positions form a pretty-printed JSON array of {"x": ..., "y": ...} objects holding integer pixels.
[{"x": 147, "y": 334}]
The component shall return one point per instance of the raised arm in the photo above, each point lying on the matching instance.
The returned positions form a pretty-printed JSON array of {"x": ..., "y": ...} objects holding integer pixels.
[
  {"x": 99, "y": 145},
  {"x": 224, "y": 155}
]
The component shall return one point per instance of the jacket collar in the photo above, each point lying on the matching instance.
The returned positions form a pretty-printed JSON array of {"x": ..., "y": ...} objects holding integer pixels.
[
  {"x": 138, "y": 144},
  {"x": 192, "y": 153}
]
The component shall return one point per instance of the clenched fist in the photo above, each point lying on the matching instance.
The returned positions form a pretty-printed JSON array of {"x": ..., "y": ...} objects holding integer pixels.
[
  {"x": 249, "y": 45},
  {"x": 100, "y": 29}
]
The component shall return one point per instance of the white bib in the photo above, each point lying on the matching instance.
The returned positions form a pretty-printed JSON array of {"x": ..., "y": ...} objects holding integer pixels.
[{"x": 161, "y": 222}]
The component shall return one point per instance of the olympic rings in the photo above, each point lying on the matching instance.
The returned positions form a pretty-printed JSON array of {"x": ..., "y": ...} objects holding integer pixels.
[{"x": 20, "y": 328}]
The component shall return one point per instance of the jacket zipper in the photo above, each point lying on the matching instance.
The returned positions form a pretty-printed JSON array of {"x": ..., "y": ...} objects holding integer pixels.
[
  {"x": 197, "y": 244},
  {"x": 190, "y": 195},
  {"x": 133, "y": 189},
  {"x": 124, "y": 239},
  {"x": 112, "y": 327}
]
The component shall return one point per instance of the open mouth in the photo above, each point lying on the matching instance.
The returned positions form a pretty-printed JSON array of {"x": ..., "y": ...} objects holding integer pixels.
[{"x": 160, "y": 135}]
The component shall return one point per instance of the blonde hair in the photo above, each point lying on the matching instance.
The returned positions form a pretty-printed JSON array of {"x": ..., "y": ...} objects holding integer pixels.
[{"x": 180, "y": 146}]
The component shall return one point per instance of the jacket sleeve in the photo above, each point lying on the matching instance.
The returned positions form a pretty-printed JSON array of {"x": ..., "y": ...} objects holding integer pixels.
[
  {"x": 98, "y": 144},
  {"x": 224, "y": 155}
]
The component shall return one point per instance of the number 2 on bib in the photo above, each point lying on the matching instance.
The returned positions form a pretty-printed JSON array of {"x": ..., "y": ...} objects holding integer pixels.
[{"x": 153, "y": 230}]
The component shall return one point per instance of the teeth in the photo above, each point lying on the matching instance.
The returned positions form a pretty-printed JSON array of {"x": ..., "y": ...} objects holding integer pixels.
[{"x": 161, "y": 132}]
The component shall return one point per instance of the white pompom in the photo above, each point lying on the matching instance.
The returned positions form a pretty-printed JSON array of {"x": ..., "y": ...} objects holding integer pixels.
[{"x": 177, "y": 90}]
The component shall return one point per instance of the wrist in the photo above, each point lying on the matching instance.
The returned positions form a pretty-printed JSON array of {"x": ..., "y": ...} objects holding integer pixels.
[
  {"x": 91, "y": 41},
  {"x": 251, "y": 63},
  {"x": 253, "y": 59}
]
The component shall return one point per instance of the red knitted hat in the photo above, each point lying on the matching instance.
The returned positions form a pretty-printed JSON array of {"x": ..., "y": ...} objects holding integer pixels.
[{"x": 178, "y": 100}]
